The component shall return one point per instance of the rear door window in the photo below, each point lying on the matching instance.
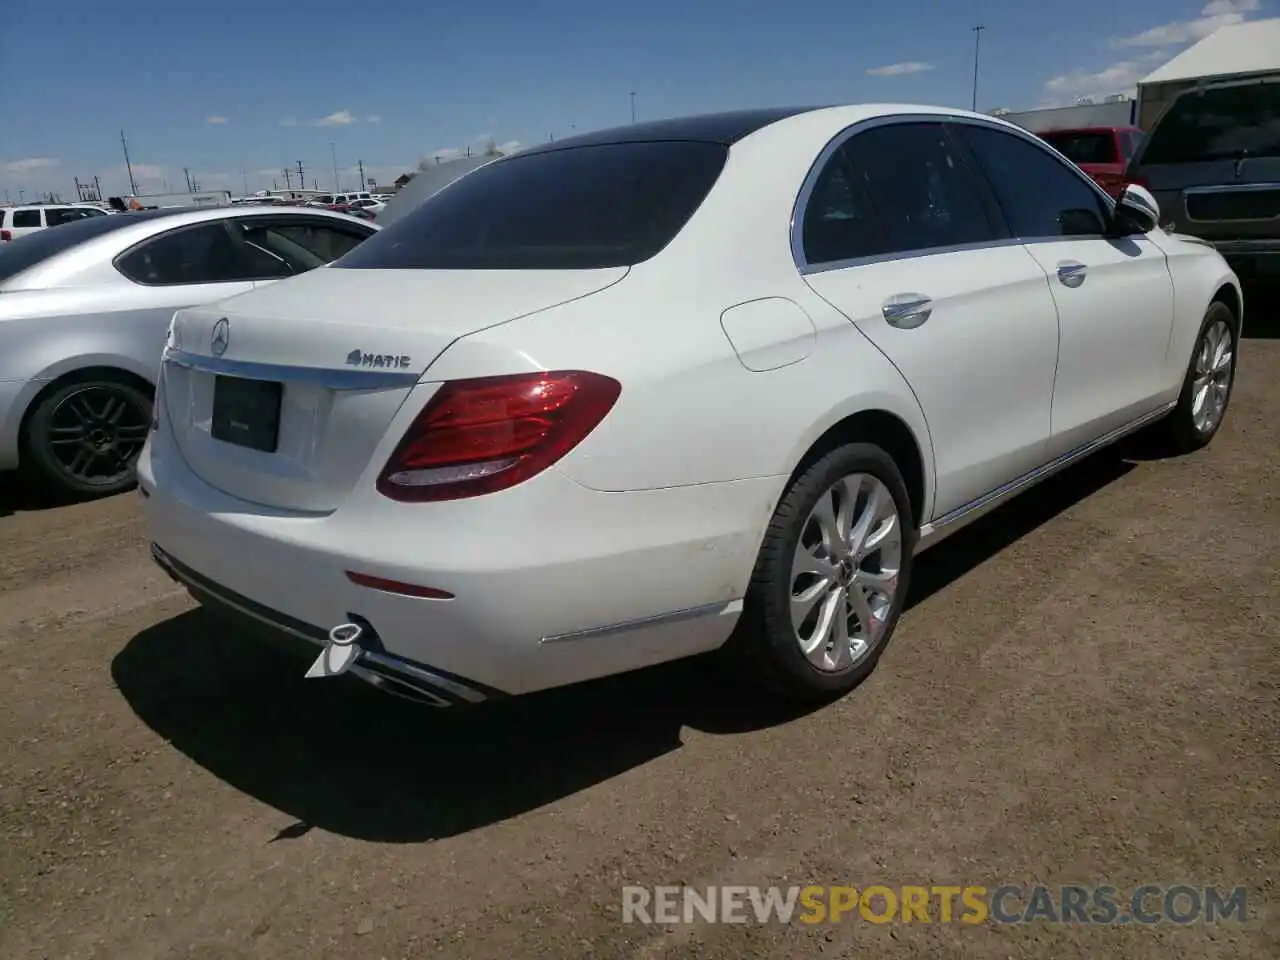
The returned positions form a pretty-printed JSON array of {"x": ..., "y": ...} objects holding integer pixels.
[
  {"x": 921, "y": 187},
  {"x": 1219, "y": 123},
  {"x": 586, "y": 207},
  {"x": 26, "y": 218}
]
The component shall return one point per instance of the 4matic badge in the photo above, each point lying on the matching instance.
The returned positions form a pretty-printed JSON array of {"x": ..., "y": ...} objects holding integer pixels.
[{"x": 358, "y": 358}]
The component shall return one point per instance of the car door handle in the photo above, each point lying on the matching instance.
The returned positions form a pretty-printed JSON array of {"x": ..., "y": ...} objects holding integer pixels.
[
  {"x": 1071, "y": 273},
  {"x": 906, "y": 311}
]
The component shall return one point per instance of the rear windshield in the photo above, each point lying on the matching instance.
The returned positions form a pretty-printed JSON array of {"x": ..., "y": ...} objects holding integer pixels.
[
  {"x": 606, "y": 205},
  {"x": 28, "y": 250},
  {"x": 1220, "y": 123},
  {"x": 1084, "y": 147}
]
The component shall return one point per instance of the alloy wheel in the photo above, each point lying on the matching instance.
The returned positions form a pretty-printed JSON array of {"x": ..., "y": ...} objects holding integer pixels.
[
  {"x": 1211, "y": 381},
  {"x": 96, "y": 433},
  {"x": 844, "y": 576}
]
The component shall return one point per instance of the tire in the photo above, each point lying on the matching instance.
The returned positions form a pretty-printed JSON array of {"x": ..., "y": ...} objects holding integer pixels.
[
  {"x": 83, "y": 438},
  {"x": 1185, "y": 429},
  {"x": 768, "y": 645}
]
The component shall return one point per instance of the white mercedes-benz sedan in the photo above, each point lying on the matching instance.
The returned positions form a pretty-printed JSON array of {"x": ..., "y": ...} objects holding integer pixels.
[{"x": 698, "y": 384}]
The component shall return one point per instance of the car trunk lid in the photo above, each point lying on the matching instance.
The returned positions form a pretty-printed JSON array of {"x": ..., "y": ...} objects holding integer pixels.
[{"x": 307, "y": 374}]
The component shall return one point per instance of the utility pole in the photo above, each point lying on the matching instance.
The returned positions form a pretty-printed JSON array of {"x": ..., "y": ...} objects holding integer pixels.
[
  {"x": 133, "y": 186},
  {"x": 360, "y": 164},
  {"x": 633, "y": 106},
  {"x": 333, "y": 152},
  {"x": 97, "y": 189},
  {"x": 302, "y": 181},
  {"x": 187, "y": 174},
  {"x": 288, "y": 179},
  {"x": 275, "y": 184},
  {"x": 79, "y": 189},
  {"x": 977, "y": 50}
]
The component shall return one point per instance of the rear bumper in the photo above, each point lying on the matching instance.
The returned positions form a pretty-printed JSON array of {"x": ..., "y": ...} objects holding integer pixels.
[
  {"x": 551, "y": 583},
  {"x": 375, "y": 666}
]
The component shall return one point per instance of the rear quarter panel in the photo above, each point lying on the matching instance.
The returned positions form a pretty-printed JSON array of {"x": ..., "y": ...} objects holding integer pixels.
[{"x": 47, "y": 334}]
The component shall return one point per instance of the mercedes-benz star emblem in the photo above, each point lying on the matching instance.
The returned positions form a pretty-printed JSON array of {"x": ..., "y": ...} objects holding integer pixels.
[{"x": 221, "y": 337}]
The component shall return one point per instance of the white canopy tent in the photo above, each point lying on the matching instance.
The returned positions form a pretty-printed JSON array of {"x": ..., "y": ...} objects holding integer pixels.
[{"x": 1240, "y": 51}]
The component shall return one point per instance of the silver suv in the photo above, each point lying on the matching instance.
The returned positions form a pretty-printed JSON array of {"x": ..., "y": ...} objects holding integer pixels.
[{"x": 1213, "y": 162}]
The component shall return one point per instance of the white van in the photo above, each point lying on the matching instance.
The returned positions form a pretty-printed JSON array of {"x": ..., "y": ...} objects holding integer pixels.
[{"x": 17, "y": 222}]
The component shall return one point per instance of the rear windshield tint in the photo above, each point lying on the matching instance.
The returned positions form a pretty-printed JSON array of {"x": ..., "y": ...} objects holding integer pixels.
[
  {"x": 606, "y": 205},
  {"x": 1084, "y": 147},
  {"x": 1221, "y": 123},
  {"x": 25, "y": 252}
]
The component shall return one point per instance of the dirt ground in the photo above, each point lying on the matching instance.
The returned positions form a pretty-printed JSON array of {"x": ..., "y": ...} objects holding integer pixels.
[{"x": 1086, "y": 689}]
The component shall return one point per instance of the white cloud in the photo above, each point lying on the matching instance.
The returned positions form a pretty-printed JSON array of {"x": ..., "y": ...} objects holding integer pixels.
[
  {"x": 339, "y": 119},
  {"x": 1215, "y": 14},
  {"x": 898, "y": 69},
  {"x": 373, "y": 118},
  {"x": 215, "y": 119},
  {"x": 510, "y": 146},
  {"x": 28, "y": 165},
  {"x": 1120, "y": 77}
]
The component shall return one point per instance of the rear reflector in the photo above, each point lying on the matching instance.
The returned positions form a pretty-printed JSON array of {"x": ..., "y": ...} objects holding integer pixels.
[
  {"x": 480, "y": 436},
  {"x": 395, "y": 586}
]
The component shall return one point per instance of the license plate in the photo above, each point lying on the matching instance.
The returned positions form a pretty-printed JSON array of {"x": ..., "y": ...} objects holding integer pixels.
[{"x": 247, "y": 412}]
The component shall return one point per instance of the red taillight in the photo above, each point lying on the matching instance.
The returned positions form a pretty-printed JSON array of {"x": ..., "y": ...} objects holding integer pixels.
[
  {"x": 484, "y": 435},
  {"x": 5, "y": 236}
]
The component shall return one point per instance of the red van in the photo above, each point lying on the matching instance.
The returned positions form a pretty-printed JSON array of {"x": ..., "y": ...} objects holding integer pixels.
[{"x": 1101, "y": 152}]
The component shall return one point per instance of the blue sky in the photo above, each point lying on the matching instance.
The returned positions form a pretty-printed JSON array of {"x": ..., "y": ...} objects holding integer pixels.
[{"x": 231, "y": 86}]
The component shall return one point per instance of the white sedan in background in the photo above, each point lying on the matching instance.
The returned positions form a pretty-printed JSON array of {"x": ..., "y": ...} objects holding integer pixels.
[{"x": 649, "y": 392}]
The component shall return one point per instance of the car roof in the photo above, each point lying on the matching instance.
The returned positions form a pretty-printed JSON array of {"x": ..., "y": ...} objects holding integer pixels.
[{"x": 725, "y": 128}]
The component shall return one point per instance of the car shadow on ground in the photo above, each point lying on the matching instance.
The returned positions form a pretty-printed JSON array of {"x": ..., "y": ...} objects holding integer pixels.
[
  {"x": 19, "y": 495},
  {"x": 347, "y": 759}
]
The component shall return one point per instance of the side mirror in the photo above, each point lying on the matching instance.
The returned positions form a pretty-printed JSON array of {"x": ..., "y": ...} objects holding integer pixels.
[{"x": 1137, "y": 210}]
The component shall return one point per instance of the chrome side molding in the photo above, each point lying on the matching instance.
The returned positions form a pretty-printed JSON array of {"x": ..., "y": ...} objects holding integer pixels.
[
  {"x": 325, "y": 377},
  {"x": 948, "y": 523}
]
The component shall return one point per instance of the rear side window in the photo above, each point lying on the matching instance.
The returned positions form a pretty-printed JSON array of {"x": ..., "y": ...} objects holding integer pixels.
[
  {"x": 26, "y": 218},
  {"x": 607, "y": 205},
  {"x": 838, "y": 223},
  {"x": 1081, "y": 147},
  {"x": 200, "y": 254},
  {"x": 1220, "y": 123}
]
